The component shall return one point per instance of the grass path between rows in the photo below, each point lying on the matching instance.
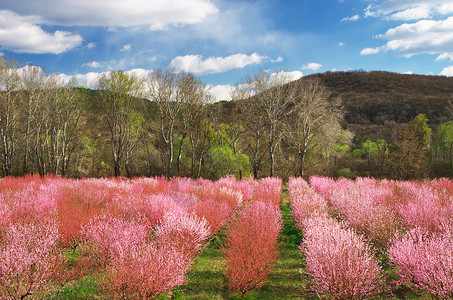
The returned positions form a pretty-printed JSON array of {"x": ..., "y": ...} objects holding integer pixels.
[{"x": 207, "y": 277}]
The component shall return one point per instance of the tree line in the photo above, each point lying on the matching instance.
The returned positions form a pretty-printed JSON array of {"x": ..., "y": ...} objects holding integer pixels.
[{"x": 166, "y": 124}]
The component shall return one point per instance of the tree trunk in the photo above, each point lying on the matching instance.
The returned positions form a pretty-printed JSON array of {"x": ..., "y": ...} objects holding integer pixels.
[
  {"x": 178, "y": 158},
  {"x": 169, "y": 160},
  {"x": 272, "y": 161}
]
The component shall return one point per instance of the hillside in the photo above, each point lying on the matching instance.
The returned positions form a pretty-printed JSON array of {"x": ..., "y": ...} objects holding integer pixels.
[{"x": 374, "y": 101}]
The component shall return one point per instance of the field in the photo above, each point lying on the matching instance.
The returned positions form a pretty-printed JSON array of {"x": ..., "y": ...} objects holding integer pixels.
[{"x": 181, "y": 238}]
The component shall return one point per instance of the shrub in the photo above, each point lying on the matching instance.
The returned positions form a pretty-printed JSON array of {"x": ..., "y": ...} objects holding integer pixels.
[
  {"x": 251, "y": 247},
  {"x": 305, "y": 202},
  {"x": 105, "y": 236},
  {"x": 339, "y": 262},
  {"x": 425, "y": 260},
  {"x": 268, "y": 190},
  {"x": 424, "y": 206},
  {"x": 185, "y": 231},
  {"x": 216, "y": 214},
  {"x": 29, "y": 260},
  {"x": 145, "y": 271}
]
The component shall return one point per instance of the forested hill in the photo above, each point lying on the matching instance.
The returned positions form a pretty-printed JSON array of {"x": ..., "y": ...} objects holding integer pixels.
[{"x": 374, "y": 101}]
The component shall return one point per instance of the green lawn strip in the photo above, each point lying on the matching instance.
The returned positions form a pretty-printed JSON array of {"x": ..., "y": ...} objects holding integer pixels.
[
  {"x": 83, "y": 288},
  {"x": 287, "y": 279},
  {"x": 207, "y": 277}
]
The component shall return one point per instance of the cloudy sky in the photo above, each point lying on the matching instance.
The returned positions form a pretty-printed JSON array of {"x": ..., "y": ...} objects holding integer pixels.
[{"x": 222, "y": 41}]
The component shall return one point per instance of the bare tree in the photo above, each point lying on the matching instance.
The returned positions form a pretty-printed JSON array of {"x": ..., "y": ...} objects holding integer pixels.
[
  {"x": 9, "y": 108},
  {"x": 177, "y": 96},
  {"x": 266, "y": 102},
  {"x": 196, "y": 123},
  {"x": 118, "y": 91},
  {"x": 195, "y": 97},
  {"x": 314, "y": 121},
  {"x": 164, "y": 91},
  {"x": 71, "y": 108},
  {"x": 243, "y": 93},
  {"x": 60, "y": 112},
  {"x": 33, "y": 82}
]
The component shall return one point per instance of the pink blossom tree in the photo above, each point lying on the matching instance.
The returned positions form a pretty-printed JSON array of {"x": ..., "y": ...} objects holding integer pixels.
[
  {"x": 425, "y": 260},
  {"x": 29, "y": 260},
  {"x": 251, "y": 246},
  {"x": 340, "y": 263}
]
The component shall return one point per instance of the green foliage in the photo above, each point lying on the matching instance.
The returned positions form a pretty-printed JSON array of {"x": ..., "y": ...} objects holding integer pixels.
[
  {"x": 89, "y": 145},
  {"x": 342, "y": 143},
  {"x": 442, "y": 150},
  {"x": 370, "y": 148},
  {"x": 346, "y": 173},
  {"x": 223, "y": 161},
  {"x": 421, "y": 130}
]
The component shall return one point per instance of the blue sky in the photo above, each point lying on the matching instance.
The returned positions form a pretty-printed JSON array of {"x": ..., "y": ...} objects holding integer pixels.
[{"x": 222, "y": 41}]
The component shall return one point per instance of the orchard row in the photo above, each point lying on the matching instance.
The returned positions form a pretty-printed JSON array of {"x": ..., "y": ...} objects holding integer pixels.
[
  {"x": 137, "y": 238},
  {"x": 366, "y": 237}
]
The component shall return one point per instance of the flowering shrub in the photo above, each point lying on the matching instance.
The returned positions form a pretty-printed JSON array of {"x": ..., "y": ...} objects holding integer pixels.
[
  {"x": 251, "y": 247},
  {"x": 107, "y": 237},
  {"x": 268, "y": 190},
  {"x": 29, "y": 260},
  {"x": 425, "y": 260},
  {"x": 322, "y": 185},
  {"x": 215, "y": 213},
  {"x": 184, "y": 231},
  {"x": 145, "y": 271},
  {"x": 139, "y": 236},
  {"x": 360, "y": 204},
  {"x": 245, "y": 186},
  {"x": 424, "y": 205},
  {"x": 30, "y": 203},
  {"x": 339, "y": 262},
  {"x": 305, "y": 202}
]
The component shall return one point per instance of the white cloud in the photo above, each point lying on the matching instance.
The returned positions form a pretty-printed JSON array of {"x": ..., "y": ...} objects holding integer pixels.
[
  {"x": 408, "y": 72},
  {"x": 196, "y": 65},
  {"x": 21, "y": 34},
  {"x": 409, "y": 9},
  {"x": 349, "y": 19},
  {"x": 91, "y": 45},
  {"x": 279, "y": 59},
  {"x": 92, "y": 64},
  {"x": 223, "y": 92},
  {"x": 425, "y": 36},
  {"x": 341, "y": 44},
  {"x": 126, "y": 47},
  {"x": 445, "y": 55},
  {"x": 448, "y": 71},
  {"x": 156, "y": 14},
  {"x": 312, "y": 66},
  {"x": 220, "y": 92},
  {"x": 139, "y": 72},
  {"x": 288, "y": 76},
  {"x": 368, "y": 51}
]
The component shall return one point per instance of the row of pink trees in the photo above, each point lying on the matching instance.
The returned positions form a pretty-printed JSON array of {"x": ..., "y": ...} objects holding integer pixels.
[
  {"x": 136, "y": 237},
  {"x": 410, "y": 221},
  {"x": 339, "y": 262},
  {"x": 251, "y": 243}
]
